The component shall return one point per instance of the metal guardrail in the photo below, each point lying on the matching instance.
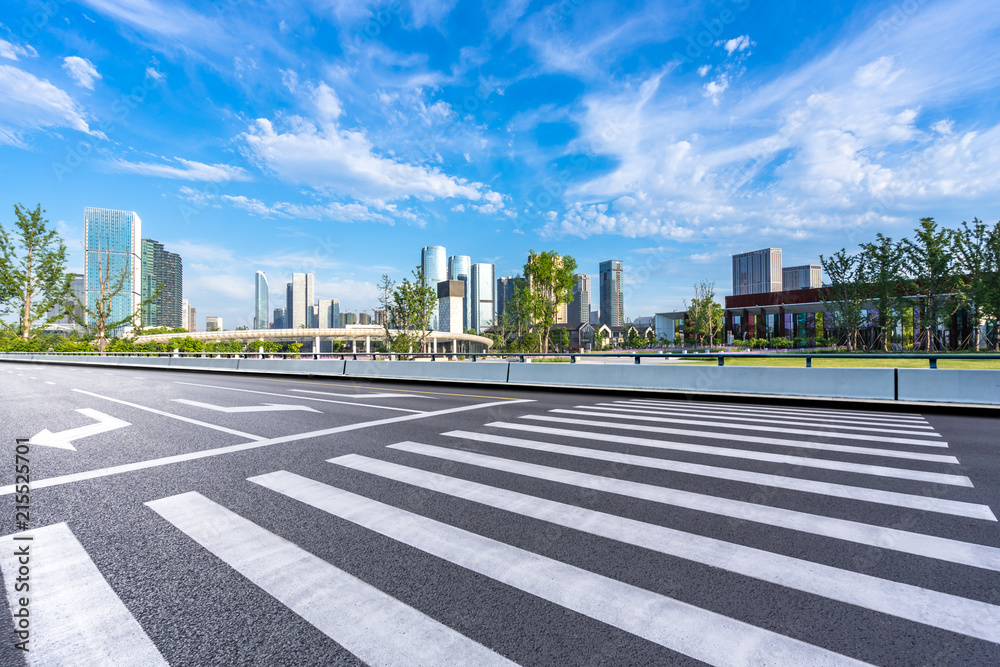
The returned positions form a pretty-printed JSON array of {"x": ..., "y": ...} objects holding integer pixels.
[{"x": 525, "y": 357}]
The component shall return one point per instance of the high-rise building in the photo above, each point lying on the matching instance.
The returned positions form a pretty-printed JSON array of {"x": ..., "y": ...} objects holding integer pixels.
[
  {"x": 260, "y": 301},
  {"x": 482, "y": 299},
  {"x": 460, "y": 268},
  {"x": 113, "y": 243},
  {"x": 299, "y": 297},
  {"x": 807, "y": 276},
  {"x": 161, "y": 270},
  {"x": 612, "y": 301},
  {"x": 186, "y": 314},
  {"x": 451, "y": 297},
  {"x": 213, "y": 323},
  {"x": 504, "y": 294},
  {"x": 192, "y": 318},
  {"x": 380, "y": 316},
  {"x": 578, "y": 310},
  {"x": 348, "y": 318},
  {"x": 364, "y": 317},
  {"x": 329, "y": 314},
  {"x": 279, "y": 319},
  {"x": 434, "y": 265},
  {"x": 757, "y": 272}
]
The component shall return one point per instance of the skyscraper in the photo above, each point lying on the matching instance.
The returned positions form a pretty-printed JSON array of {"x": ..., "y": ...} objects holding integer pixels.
[
  {"x": 435, "y": 269},
  {"x": 757, "y": 272},
  {"x": 279, "y": 318},
  {"x": 261, "y": 305},
  {"x": 578, "y": 310},
  {"x": 329, "y": 314},
  {"x": 112, "y": 240},
  {"x": 186, "y": 314},
  {"x": 482, "y": 299},
  {"x": 299, "y": 297},
  {"x": 460, "y": 268},
  {"x": 612, "y": 301},
  {"x": 161, "y": 270},
  {"x": 504, "y": 294},
  {"x": 213, "y": 323}
]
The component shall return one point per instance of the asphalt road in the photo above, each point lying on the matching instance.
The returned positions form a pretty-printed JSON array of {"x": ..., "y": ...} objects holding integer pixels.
[{"x": 203, "y": 519}]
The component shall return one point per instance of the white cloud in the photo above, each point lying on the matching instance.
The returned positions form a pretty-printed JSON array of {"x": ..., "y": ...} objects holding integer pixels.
[
  {"x": 152, "y": 73},
  {"x": 31, "y": 103},
  {"x": 13, "y": 51},
  {"x": 81, "y": 70},
  {"x": 185, "y": 170},
  {"x": 736, "y": 44},
  {"x": 713, "y": 89},
  {"x": 323, "y": 155},
  {"x": 704, "y": 70}
]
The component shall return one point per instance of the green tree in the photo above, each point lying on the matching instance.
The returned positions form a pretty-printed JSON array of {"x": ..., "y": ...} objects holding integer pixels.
[
  {"x": 972, "y": 255},
  {"x": 990, "y": 305},
  {"x": 600, "y": 339},
  {"x": 560, "y": 339},
  {"x": 844, "y": 298},
  {"x": 704, "y": 313},
  {"x": 33, "y": 278},
  {"x": 550, "y": 283},
  {"x": 883, "y": 265},
  {"x": 931, "y": 264},
  {"x": 409, "y": 307}
]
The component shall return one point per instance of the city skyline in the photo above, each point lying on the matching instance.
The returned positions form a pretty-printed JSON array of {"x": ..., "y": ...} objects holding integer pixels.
[{"x": 660, "y": 135}]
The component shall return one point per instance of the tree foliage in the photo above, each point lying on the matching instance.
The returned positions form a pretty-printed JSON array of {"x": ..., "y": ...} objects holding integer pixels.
[
  {"x": 550, "y": 283},
  {"x": 883, "y": 265},
  {"x": 931, "y": 264},
  {"x": 705, "y": 313},
  {"x": 844, "y": 298},
  {"x": 33, "y": 278},
  {"x": 409, "y": 307}
]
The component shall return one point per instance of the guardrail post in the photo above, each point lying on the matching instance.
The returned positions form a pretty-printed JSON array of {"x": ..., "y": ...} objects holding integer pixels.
[
  {"x": 572, "y": 358},
  {"x": 522, "y": 358},
  {"x": 473, "y": 358},
  {"x": 809, "y": 362},
  {"x": 432, "y": 357},
  {"x": 637, "y": 359},
  {"x": 722, "y": 361},
  {"x": 933, "y": 361}
]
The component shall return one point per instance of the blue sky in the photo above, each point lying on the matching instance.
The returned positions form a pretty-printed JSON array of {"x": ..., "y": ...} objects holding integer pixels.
[{"x": 340, "y": 137}]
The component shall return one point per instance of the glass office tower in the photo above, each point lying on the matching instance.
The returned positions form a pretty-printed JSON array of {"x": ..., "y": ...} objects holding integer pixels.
[
  {"x": 113, "y": 250},
  {"x": 482, "y": 298},
  {"x": 578, "y": 310},
  {"x": 261, "y": 306},
  {"x": 460, "y": 268},
  {"x": 434, "y": 264},
  {"x": 161, "y": 270},
  {"x": 612, "y": 306}
]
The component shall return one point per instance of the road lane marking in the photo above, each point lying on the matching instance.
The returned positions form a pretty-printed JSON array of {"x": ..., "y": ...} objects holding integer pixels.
[
  {"x": 219, "y": 451},
  {"x": 64, "y": 439},
  {"x": 875, "y": 427},
  {"x": 736, "y": 409},
  {"x": 76, "y": 617},
  {"x": 304, "y": 398},
  {"x": 928, "y": 546},
  {"x": 750, "y": 455},
  {"x": 865, "y": 494},
  {"x": 267, "y": 407},
  {"x": 171, "y": 415},
  {"x": 374, "y": 626},
  {"x": 328, "y": 393},
  {"x": 50, "y": 383},
  {"x": 913, "y": 603},
  {"x": 406, "y": 391},
  {"x": 749, "y": 427},
  {"x": 695, "y": 632},
  {"x": 895, "y": 416}
]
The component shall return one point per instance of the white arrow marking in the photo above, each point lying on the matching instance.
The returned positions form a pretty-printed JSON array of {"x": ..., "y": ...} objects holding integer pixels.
[
  {"x": 267, "y": 407},
  {"x": 327, "y": 393},
  {"x": 64, "y": 439}
]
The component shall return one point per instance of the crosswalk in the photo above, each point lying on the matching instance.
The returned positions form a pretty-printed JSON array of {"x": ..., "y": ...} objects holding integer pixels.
[{"x": 819, "y": 476}]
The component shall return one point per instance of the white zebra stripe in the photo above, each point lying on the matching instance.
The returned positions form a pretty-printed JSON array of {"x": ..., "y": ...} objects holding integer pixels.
[
  {"x": 913, "y": 603},
  {"x": 696, "y": 632},
  {"x": 372, "y": 625}
]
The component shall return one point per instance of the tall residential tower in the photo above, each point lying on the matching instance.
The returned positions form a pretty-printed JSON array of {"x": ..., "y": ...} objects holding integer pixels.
[
  {"x": 261, "y": 309},
  {"x": 113, "y": 246},
  {"x": 612, "y": 301}
]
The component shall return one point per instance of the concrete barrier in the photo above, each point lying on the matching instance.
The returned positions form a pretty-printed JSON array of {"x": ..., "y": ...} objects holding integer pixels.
[
  {"x": 428, "y": 370},
  {"x": 293, "y": 366},
  {"x": 214, "y": 364},
  {"x": 947, "y": 385},
  {"x": 864, "y": 383}
]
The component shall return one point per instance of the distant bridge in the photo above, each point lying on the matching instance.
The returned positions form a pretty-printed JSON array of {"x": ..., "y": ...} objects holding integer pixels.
[{"x": 355, "y": 335}]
